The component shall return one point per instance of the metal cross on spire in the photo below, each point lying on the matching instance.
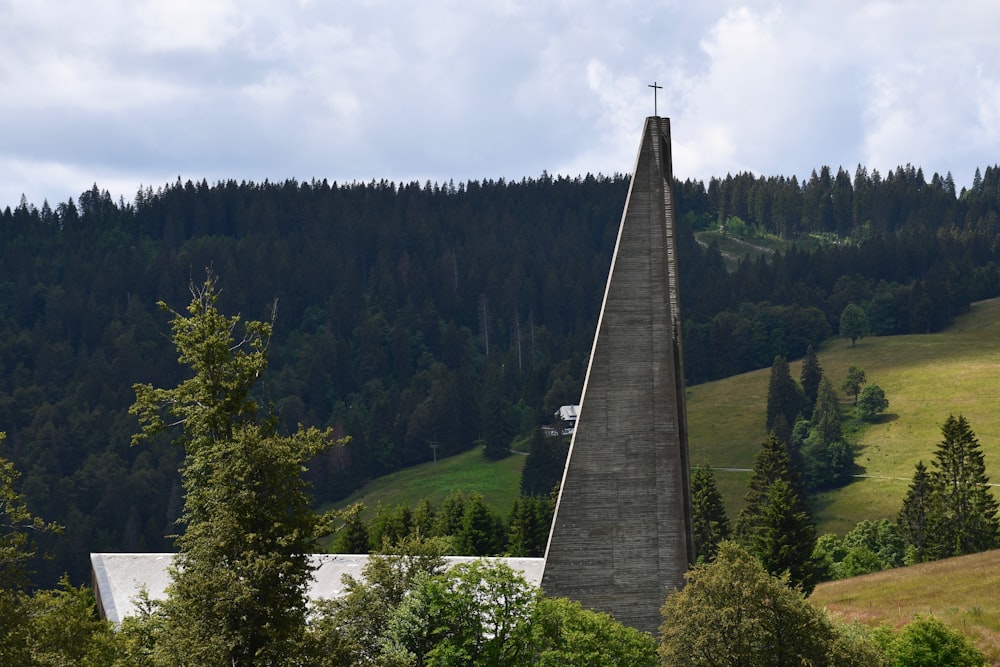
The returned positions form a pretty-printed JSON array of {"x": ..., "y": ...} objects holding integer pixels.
[{"x": 655, "y": 88}]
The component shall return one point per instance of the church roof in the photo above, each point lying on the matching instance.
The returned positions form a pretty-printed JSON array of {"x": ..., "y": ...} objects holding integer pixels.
[{"x": 120, "y": 577}]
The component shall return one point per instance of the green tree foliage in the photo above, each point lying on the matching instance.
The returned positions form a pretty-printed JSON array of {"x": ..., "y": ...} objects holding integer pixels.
[
  {"x": 383, "y": 344},
  {"x": 870, "y": 546},
  {"x": 784, "y": 397},
  {"x": 950, "y": 510},
  {"x": 775, "y": 523},
  {"x": 786, "y": 536},
  {"x": 352, "y": 538},
  {"x": 349, "y": 630},
  {"x": 483, "y": 532},
  {"x": 476, "y": 613},
  {"x": 410, "y": 610},
  {"x": 732, "y": 612},
  {"x": 563, "y": 633},
  {"x": 708, "y": 513},
  {"x": 917, "y": 516},
  {"x": 967, "y": 509},
  {"x": 529, "y": 526},
  {"x": 854, "y": 382},
  {"x": 854, "y": 323},
  {"x": 810, "y": 376},
  {"x": 827, "y": 458},
  {"x": 543, "y": 468},
  {"x": 18, "y": 527},
  {"x": 871, "y": 402},
  {"x": 65, "y": 630},
  {"x": 927, "y": 641},
  {"x": 237, "y": 594}
]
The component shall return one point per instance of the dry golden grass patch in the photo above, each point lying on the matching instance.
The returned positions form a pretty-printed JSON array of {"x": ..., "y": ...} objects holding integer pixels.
[{"x": 962, "y": 592}]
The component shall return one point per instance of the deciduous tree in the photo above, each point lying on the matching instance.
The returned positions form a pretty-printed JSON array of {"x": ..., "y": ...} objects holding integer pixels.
[
  {"x": 871, "y": 402},
  {"x": 854, "y": 323},
  {"x": 855, "y": 380},
  {"x": 733, "y": 613}
]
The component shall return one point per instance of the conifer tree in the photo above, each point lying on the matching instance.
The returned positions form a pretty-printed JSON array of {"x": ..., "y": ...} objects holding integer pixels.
[
  {"x": 708, "y": 513},
  {"x": 917, "y": 515},
  {"x": 967, "y": 509},
  {"x": 775, "y": 523},
  {"x": 810, "y": 377},
  {"x": 783, "y": 395},
  {"x": 237, "y": 595},
  {"x": 482, "y": 532}
]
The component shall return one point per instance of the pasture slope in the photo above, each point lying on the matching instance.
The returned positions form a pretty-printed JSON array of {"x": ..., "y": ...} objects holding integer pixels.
[{"x": 925, "y": 378}]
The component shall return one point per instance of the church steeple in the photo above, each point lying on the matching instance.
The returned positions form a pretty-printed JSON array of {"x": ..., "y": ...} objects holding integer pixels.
[{"x": 621, "y": 537}]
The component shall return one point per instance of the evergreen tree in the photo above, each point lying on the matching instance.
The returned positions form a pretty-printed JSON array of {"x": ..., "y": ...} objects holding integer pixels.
[
  {"x": 785, "y": 537},
  {"x": 775, "y": 523},
  {"x": 918, "y": 515},
  {"x": 530, "y": 521},
  {"x": 828, "y": 458},
  {"x": 497, "y": 416},
  {"x": 770, "y": 464},
  {"x": 482, "y": 531},
  {"x": 448, "y": 518},
  {"x": 708, "y": 513},
  {"x": 352, "y": 538},
  {"x": 17, "y": 548},
  {"x": 238, "y": 590},
  {"x": 968, "y": 511},
  {"x": 543, "y": 467},
  {"x": 810, "y": 376},
  {"x": 784, "y": 396}
]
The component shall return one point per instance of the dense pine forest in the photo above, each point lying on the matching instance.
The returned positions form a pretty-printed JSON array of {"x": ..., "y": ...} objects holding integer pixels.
[{"x": 416, "y": 318}]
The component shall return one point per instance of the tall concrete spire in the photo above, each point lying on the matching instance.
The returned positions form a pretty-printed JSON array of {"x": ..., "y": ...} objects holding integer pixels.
[{"x": 621, "y": 536}]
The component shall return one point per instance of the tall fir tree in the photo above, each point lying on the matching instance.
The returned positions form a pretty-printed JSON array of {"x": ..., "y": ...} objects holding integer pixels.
[
  {"x": 828, "y": 458},
  {"x": 810, "y": 377},
  {"x": 786, "y": 537},
  {"x": 708, "y": 514},
  {"x": 967, "y": 508},
  {"x": 784, "y": 396},
  {"x": 916, "y": 517},
  {"x": 775, "y": 523}
]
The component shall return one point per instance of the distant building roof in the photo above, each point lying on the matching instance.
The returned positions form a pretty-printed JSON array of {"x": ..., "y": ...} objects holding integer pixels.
[
  {"x": 120, "y": 577},
  {"x": 568, "y": 413}
]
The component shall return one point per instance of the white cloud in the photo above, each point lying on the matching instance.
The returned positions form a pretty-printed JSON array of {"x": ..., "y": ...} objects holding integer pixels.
[{"x": 216, "y": 89}]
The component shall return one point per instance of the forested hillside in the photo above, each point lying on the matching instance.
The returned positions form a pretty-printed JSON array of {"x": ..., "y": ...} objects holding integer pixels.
[{"x": 416, "y": 315}]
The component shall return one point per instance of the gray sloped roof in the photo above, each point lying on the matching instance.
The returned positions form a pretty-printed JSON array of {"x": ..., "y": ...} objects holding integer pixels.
[{"x": 120, "y": 577}]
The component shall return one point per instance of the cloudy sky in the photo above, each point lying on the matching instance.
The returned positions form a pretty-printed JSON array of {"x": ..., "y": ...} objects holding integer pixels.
[{"x": 130, "y": 93}]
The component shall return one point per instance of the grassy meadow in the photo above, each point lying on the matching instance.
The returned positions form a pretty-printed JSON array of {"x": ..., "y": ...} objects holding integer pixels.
[
  {"x": 499, "y": 482},
  {"x": 925, "y": 378},
  {"x": 961, "y": 592}
]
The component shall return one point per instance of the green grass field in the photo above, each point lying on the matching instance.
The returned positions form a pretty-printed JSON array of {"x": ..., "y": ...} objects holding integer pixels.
[
  {"x": 498, "y": 481},
  {"x": 925, "y": 378},
  {"x": 961, "y": 592}
]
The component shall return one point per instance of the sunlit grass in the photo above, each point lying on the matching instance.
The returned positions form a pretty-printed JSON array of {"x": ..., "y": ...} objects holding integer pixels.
[
  {"x": 961, "y": 592},
  {"x": 925, "y": 377},
  {"x": 497, "y": 481}
]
